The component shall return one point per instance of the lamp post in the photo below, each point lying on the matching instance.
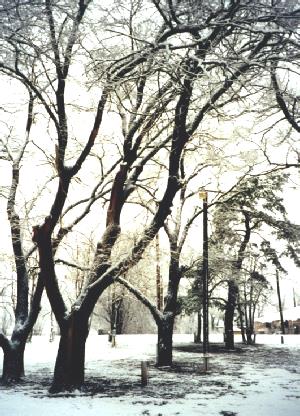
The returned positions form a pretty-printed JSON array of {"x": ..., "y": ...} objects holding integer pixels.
[{"x": 203, "y": 196}]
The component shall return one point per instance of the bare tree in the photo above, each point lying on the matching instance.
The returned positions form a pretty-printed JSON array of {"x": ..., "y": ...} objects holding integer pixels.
[
  {"x": 253, "y": 292},
  {"x": 25, "y": 309},
  {"x": 254, "y": 207}
]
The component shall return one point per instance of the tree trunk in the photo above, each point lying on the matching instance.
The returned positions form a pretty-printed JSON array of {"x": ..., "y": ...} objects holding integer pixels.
[
  {"x": 13, "y": 362},
  {"x": 229, "y": 314},
  {"x": 250, "y": 328},
  {"x": 242, "y": 322},
  {"x": 199, "y": 328},
  {"x": 250, "y": 335},
  {"x": 69, "y": 365},
  {"x": 13, "y": 349},
  {"x": 165, "y": 341},
  {"x": 159, "y": 286}
]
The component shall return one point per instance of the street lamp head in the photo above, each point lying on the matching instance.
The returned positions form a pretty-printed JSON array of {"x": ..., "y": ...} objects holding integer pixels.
[{"x": 203, "y": 194}]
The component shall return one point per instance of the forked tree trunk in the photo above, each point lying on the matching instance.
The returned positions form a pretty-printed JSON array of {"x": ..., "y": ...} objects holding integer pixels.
[
  {"x": 13, "y": 349},
  {"x": 165, "y": 341},
  {"x": 69, "y": 365},
  {"x": 13, "y": 362}
]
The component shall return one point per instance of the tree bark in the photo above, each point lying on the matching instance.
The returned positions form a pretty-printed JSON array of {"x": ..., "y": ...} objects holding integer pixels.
[
  {"x": 241, "y": 317},
  {"x": 69, "y": 365},
  {"x": 165, "y": 341},
  {"x": 242, "y": 322},
  {"x": 159, "y": 294},
  {"x": 13, "y": 349},
  {"x": 229, "y": 314},
  {"x": 13, "y": 362},
  {"x": 199, "y": 328},
  {"x": 233, "y": 289},
  {"x": 250, "y": 335}
]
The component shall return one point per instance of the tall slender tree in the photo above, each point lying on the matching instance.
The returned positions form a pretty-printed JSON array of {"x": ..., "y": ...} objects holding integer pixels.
[
  {"x": 26, "y": 312},
  {"x": 258, "y": 207}
]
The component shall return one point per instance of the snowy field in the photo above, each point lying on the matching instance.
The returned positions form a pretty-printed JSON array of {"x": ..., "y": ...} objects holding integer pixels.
[{"x": 262, "y": 380}]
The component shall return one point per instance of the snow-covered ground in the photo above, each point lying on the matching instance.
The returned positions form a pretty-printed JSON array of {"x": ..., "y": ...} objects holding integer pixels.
[{"x": 262, "y": 380}]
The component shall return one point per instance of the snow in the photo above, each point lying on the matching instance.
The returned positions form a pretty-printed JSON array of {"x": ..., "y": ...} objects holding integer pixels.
[{"x": 262, "y": 380}]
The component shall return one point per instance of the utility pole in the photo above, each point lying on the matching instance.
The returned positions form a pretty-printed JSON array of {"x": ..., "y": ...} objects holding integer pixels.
[
  {"x": 203, "y": 196},
  {"x": 280, "y": 304}
]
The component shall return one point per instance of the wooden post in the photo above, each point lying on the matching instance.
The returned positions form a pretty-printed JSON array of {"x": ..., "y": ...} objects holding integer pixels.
[
  {"x": 144, "y": 373},
  {"x": 206, "y": 358}
]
